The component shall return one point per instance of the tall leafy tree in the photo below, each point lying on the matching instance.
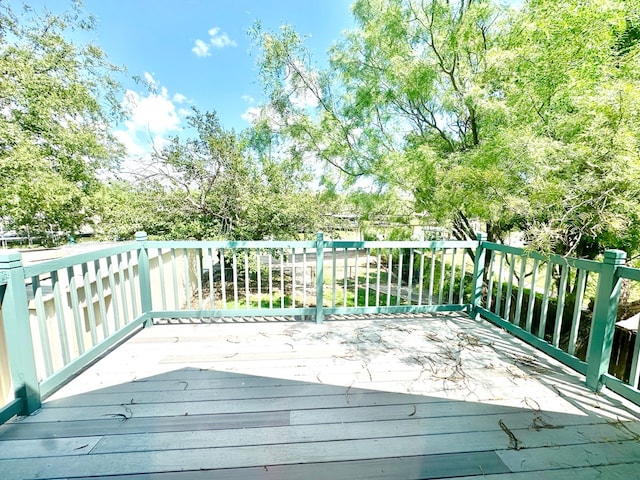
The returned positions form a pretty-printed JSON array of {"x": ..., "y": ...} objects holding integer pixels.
[
  {"x": 56, "y": 98},
  {"x": 525, "y": 119}
]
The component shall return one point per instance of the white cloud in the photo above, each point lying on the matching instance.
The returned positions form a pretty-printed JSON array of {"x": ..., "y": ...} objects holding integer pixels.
[
  {"x": 179, "y": 98},
  {"x": 201, "y": 49},
  {"x": 151, "y": 118},
  {"x": 248, "y": 98},
  {"x": 220, "y": 40},
  {"x": 216, "y": 39}
]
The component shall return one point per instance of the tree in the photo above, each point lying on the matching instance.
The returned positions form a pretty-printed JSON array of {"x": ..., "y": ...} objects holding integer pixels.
[
  {"x": 523, "y": 118},
  {"x": 214, "y": 185},
  {"x": 56, "y": 102}
]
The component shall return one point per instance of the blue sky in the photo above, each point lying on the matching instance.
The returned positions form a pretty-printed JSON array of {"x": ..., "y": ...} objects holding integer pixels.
[{"x": 196, "y": 52}]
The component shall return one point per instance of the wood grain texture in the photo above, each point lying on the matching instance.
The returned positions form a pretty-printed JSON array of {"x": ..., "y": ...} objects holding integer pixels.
[{"x": 422, "y": 397}]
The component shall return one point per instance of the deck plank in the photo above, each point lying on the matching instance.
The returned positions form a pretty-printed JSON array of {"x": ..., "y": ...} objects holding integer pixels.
[{"x": 423, "y": 397}]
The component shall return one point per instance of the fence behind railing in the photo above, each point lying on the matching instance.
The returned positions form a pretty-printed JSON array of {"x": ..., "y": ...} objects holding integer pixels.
[{"x": 60, "y": 315}]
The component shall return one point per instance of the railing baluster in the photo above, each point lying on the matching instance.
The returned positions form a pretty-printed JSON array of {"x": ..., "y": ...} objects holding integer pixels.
[
  {"x": 432, "y": 275},
  {"x": 557, "y": 328},
  {"x": 490, "y": 276},
  {"x": 75, "y": 309},
  {"x": 101, "y": 301},
  {"x": 115, "y": 301},
  {"x": 410, "y": 279},
  {"x": 452, "y": 277},
  {"x": 355, "y": 286},
  {"x": 212, "y": 290},
  {"x": 88, "y": 298},
  {"x": 577, "y": 311},
  {"x": 463, "y": 274},
  {"x": 545, "y": 301},
  {"x": 163, "y": 289},
  {"x": 532, "y": 295},
  {"x": 499, "y": 284},
  {"x": 270, "y": 260},
  {"x": 247, "y": 292},
  {"x": 223, "y": 279},
  {"x": 378, "y": 262},
  {"x": 421, "y": 277},
  {"x": 60, "y": 319},
  {"x": 507, "y": 300},
  {"x": 304, "y": 277},
  {"x": 634, "y": 375},
  {"x": 399, "y": 286},
  {"x": 293, "y": 277},
  {"x": 345, "y": 270},
  {"x": 199, "y": 252},
  {"x": 442, "y": 275},
  {"x": 187, "y": 278},
  {"x": 259, "y": 278},
  {"x": 368, "y": 272},
  {"x": 42, "y": 325},
  {"x": 389, "y": 276},
  {"x": 520, "y": 296},
  {"x": 281, "y": 279},
  {"x": 174, "y": 278}
]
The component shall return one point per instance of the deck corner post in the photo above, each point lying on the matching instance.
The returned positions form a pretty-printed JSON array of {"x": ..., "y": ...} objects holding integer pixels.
[
  {"x": 15, "y": 315},
  {"x": 319, "y": 277},
  {"x": 604, "y": 318},
  {"x": 478, "y": 275},
  {"x": 144, "y": 277}
]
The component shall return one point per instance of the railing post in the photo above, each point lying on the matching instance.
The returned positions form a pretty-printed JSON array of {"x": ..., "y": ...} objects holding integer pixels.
[
  {"x": 144, "y": 277},
  {"x": 319, "y": 276},
  {"x": 478, "y": 275},
  {"x": 604, "y": 318},
  {"x": 15, "y": 312}
]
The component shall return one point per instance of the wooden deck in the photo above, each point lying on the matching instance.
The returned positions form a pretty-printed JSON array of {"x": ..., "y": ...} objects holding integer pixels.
[{"x": 396, "y": 398}]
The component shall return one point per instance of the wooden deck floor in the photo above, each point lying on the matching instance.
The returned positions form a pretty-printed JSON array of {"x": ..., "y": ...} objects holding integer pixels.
[{"x": 398, "y": 398}]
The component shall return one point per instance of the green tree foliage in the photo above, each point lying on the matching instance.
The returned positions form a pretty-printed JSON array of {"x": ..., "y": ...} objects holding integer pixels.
[
  {"x": 55, "y": 98},
  {"x": 523, "y": 118},
  {"x": 214, "y": 185}
]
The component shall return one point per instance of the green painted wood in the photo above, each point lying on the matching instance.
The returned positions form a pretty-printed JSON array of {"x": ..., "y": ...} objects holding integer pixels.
[
  {"x": 421, "y": 277},
  {"x": 452, "y": 276},
  {"x": 144, "y": 275},
  {"x": 66, "y": 262},
  {"x": 389, "y": 275},
  {"x": 442, "y": 275},
  {"x": 544, "y": 310},
  {"x": 88, "y": 301},
  {"x": 319, "y": 277},
  {"x": 518, "y": 313},
  {"x": 497, "y": 309},
  {"x": 236, "y": 312},
  {"x": 604, "y": 318},
  {"x": 410, "y": 279},
  {"x": 629, "y": 273},
  {"x": 223, "y": 280},
  {"x": 408, "y": 244},
  {"x": 75, "y": 309},
  {"x": 621, "y": 388},
  {"x": 577, "y": 311},
  {"x": 60, "y": 377},
  {"x": 270, "y": 278},
  {"x": 532, "y": 295},
  {"x": 507, "y": 300},
  {"x": 281, "y": 280},
  {"x": 479, "y": 276},
  {"x": 212, "y": 302},
  {"x": 560, "y": 355},
  {"x": 378, "y": 266},
  {"x": 11, "y": 409},
  {"x": 186, "y": 277},
  {"x": 491, "y": 276},
  {"x": 432, "y": 274},
  {"x": 43, "y": 328},
  {"x": 174, "y": 279},
  {"x": 232, "y": 244},
  {"x": 562, "y": 291},
  {"x": 115, "y": 300},
  {"x": 15, "y": 313},
  {"x": 101, "y": 298},
  {"x": 199, "y": 259},
  {"x": 60, "y": 320},
  {"x": 367, "y": 277},
  {"x": 463, "y": 277},
  {"x": 399, "y": 277},
  {"x": 589, "y": 265}
]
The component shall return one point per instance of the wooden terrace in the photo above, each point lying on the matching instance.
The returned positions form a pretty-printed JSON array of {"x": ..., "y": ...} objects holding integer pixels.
[
  {"x": 316, "y": 360},
  {"x": 398, "y": 397}
]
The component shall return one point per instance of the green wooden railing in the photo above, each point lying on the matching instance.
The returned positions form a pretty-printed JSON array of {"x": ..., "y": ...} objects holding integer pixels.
[{"x": 59, "y": 316}]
